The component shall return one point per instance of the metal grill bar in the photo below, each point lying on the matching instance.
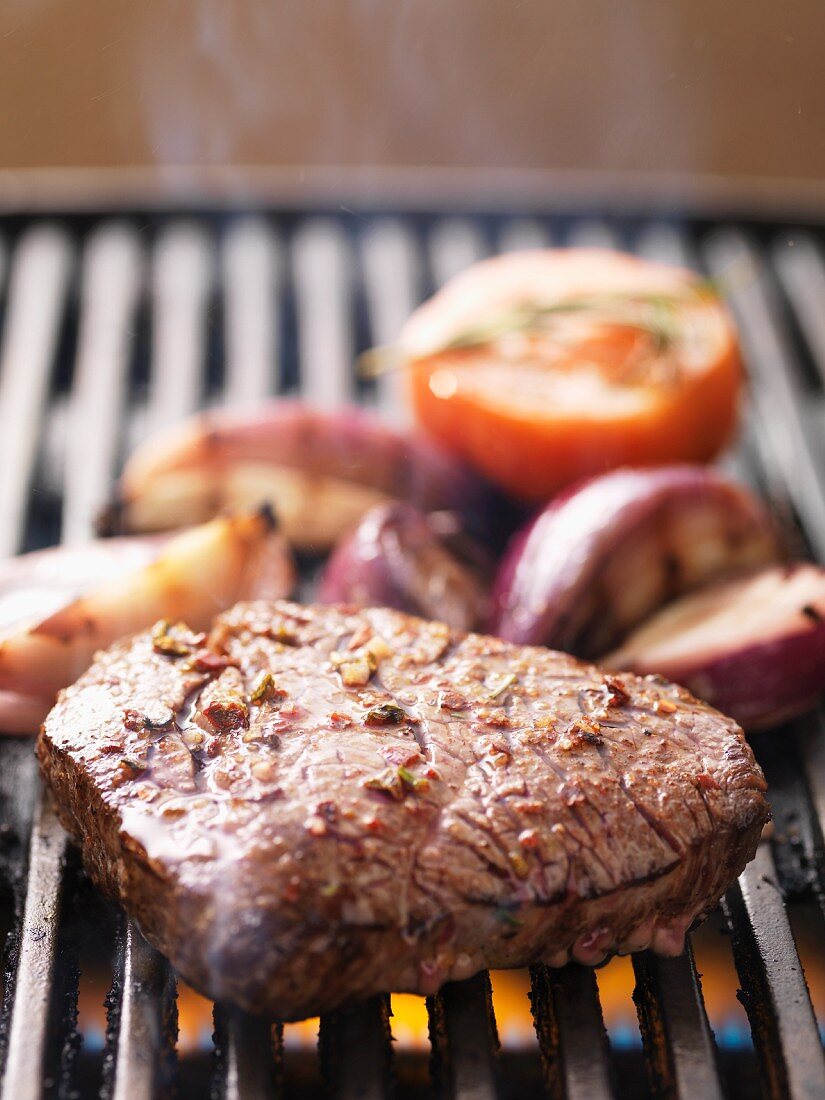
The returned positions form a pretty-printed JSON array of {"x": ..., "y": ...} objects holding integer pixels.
[
  {"x": 182, "y": 273},
  {"x": 355, "y": 1051},
  {"x": 573, "y": 1042},
  {"x": 36, "y": 301},
  {"x": 464, "y": 1039},
  {"x": 323, "y": 291},
  {"x": 591, "y": 234},
  {"x": 251, "y": 1052},
  {"x": 665, "y": 245},
  {"x": 28, "y": 1028},
  {"x": 111, "y": 281},
  {"x": 675, "y": 1030},
  {"x": 38, "y": 283},
  {"x": 454, "y": 244},
  {"x": 773, "y": 984},
  {"x": 781, "y": 406},
  {"x": 144, "y": 1052},
  {"x": 811, "y": 741},
  {"x": 800, "y": 264},
  {"x": 523, "y": 234},
  {"x": 392, "y": 277},
  {"x": 252, "y": 278}
]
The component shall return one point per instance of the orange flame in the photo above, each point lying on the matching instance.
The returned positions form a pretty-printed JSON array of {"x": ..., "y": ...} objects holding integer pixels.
[{"x": 512, "y": 1007}]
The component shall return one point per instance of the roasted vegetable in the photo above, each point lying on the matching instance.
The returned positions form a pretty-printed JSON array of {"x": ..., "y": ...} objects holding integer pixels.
[
  {"x": 601, "y": 557},
  {"x": 395, "y": 558},
  {"x": 33, "y": 586},
  {"x": 57, "y": 607},
  {"x": 543, "y": 367},
  {"x": 320, "y": 470},
  {"x": 753, "y": 647}
]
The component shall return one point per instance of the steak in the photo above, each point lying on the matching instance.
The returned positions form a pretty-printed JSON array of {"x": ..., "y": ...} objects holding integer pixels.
[{"x": 315, "y": 804}]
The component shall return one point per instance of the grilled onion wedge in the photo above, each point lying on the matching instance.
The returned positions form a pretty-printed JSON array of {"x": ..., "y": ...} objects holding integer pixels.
[
  {"x": 59, "y": 606},
  {"x": 601, "y": 557},
  {"x": 395, "y": 557},
  {"x": 321, "y": 471},
  {"x": 753, "y": 647}
]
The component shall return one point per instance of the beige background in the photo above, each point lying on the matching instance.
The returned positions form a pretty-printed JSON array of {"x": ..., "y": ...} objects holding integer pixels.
[{"x": 713, "y": 94}]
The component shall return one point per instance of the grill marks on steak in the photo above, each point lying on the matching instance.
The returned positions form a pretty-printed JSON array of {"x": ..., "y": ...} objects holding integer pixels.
[{"x": 396, "y": 806}]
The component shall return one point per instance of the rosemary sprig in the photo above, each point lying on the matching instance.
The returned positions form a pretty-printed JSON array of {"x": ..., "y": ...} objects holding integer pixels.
[
  {"x": 652, "y": 314},
  {"x": 529, "y": 317},
  {"x": 380, "y": 360}
]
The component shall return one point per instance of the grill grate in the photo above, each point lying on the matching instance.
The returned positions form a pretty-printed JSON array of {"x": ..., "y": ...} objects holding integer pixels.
[{"x": 114, "y": 327}]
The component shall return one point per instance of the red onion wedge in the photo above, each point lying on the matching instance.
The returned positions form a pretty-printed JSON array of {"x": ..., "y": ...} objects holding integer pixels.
[
  {"x": 320, "y": 470},
  {"x": 601, "y": 557},
  {"x": 753, "y": 647},
  {"x": 58, "y": 606},
  {"x": 395, "y": 558}
]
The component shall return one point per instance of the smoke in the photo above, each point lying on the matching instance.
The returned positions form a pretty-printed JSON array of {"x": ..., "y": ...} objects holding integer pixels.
[
  {"x": 367, "y": 83},
  {"x": 203, "y": 87}
]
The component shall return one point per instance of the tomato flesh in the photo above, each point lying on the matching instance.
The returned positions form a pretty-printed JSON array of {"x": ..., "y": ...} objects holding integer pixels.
[{"x": 585, "y": 389}]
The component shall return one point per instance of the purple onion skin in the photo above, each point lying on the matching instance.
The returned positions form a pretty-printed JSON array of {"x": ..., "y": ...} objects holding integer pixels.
[
  {"x": 764, "y": 684},
  {"x": 761, "y": 677},
  {"x": 394, "y": 558},
  {"x": 555, "y": 586}
]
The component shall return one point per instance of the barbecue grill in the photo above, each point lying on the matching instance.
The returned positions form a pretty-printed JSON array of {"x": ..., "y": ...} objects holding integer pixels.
[{"x": 115, "y": 326}]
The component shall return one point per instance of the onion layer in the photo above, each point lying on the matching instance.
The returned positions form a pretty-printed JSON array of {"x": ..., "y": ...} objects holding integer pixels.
[
  {"x": 601, "y": 557},
  {"x": 395, "y": 558},
  {"x": 753, "y": 647},
  {"x": 52, "y": 636},
  {"x": 320, "y": 471}
]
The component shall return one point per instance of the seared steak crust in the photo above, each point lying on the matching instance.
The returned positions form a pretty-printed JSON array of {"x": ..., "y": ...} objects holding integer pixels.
[{"x": 320, "y": 803}]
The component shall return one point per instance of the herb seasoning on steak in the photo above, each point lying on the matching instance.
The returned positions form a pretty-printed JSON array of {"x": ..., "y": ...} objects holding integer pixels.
[{"x": 392, "y": 805}]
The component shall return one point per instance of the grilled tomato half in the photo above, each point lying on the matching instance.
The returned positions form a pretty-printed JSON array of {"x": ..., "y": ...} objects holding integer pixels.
[{"x": 545, "y": 366}]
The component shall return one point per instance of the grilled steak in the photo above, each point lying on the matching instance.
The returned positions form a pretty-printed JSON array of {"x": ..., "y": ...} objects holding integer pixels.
[{"x": 315, "y": 804}]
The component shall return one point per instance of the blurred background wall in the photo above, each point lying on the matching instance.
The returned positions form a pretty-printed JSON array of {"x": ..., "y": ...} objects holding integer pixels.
[{"x": 725, "y": 94}]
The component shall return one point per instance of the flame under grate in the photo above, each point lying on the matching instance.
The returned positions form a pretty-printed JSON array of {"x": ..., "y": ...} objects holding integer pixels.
[{"x": 110, "y": 328}]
